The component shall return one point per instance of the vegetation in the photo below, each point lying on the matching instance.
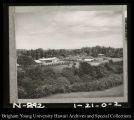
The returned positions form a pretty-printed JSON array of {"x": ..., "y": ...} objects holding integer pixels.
[
  {"x": 41, "y": 81},
  {"x": 25, "y": 60},
  {"x": 61, "y": 53}
]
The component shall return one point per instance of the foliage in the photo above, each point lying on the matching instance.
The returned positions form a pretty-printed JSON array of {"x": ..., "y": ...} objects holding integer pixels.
[
  {"x": 103, "y": 83},
  {"x": 115, "y": 67},
  {"x": 41, "y": 81},
  {"x": 22, "y": 92},
  {"x": 69, "y": 73},
  {"x": 25, "y": 60},
  {"x": 90, "y": 51},
  {"x": 39, "y": 73},
  {"x": 50, "y": 86},
  {"x": 92, "y": 72}
]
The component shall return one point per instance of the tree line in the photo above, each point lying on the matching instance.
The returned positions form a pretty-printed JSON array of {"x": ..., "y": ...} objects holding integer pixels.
[{"x": 61, "y": 53}]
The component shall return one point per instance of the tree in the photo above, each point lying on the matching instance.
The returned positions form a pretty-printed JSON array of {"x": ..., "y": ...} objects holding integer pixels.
[
  {"x": 25, "y": 60},
  {"x": 69, "y": 74},
  {"x": 85, "y": 68}
]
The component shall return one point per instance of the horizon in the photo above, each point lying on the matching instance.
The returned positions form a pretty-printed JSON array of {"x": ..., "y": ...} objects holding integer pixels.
[{"x": 70, "y": 49}]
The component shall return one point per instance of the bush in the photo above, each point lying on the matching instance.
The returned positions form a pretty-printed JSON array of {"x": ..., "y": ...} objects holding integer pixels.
[
  {"x": 20, "y": 76},
  {"x": 115, "y": 67},
  {"x": 39, "y": 73},
  {"x": 101, "y": 71},
  {"x": 22, "y": 92},
  {"x": 51, "y": 86},
  {"x": 85, "y": 68},
  {"x": 25, "y": 60},
  {"x": 78, "y": 87},
  {"x": 34, "y": 72},
  {"x": 37, "y": 81},
  {"x": 86, "y": 78},
  {"x": 62, "y": 84},
  {"x": 29, "y": 85},
  {"x": 68, "y": 73},
  {"x": 94, "y": 72},
  {"x": 43, "y": 91},
  {"x": 101, "y": 84}
]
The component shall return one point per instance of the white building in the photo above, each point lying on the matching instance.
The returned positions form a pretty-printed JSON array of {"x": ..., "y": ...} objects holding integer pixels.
[
  {"x": 38, "y": 61},
  {"x": 88, "y": 59},
  {"x": 101, "y": 55},
  {"x": 46, "y": 61}
]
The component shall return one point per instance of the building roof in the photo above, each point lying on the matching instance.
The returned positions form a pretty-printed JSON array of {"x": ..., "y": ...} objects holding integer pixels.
[
  {"x": 100, "y": 54},
  {"x": 37, "y": 61},
  {"x": 53, "y": 58},
  {"x": 88, "y": 57}
]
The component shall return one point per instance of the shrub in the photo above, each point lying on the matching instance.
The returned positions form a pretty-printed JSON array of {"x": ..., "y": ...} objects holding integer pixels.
[
  {"x": 22, "y": 92},
  {"x": 101, "y": 84},
  {"x": 20, "y": 76},
  {"x": 29, "y": 85},
  {"x": 34, "y": 72},
  {"x": 62, "y": 81},
  {"x": 68, "y": 73},
  {"x": 37, "y": 81},
  {"x": 63, "y": 84},
  {"x": 86, "y": 78},
  {"x": 52, "y": 86},
  {"x": 101, "y": 71},
  {"x": 115, "y": 67},
  {"x": 49, "y": 80},
  {"x": 43, "y": 91},
  {"x": 85, "y": 68},
  {"x": 78, "y": 87},
  {"x": 25, "y": 60},
  {"x": 39, "y": 73},
  {"x": 94, "y": 72}
]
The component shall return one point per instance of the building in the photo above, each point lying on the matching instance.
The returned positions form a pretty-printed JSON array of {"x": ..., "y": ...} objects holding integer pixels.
[
  {"x": 46, "y": 61},
  {"x": 38, "y": 61},
  {"x": 101, "y": 55},
  {"x": 88, "y": 59},
  {"x": 49, "y": 60}
]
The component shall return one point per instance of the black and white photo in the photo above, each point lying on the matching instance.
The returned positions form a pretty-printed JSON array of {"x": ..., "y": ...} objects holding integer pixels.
[{"x": 67, "y": 54}]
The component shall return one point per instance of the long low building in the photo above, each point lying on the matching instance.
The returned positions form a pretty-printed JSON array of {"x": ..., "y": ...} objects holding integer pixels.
[{"x": 49, "y": 61}]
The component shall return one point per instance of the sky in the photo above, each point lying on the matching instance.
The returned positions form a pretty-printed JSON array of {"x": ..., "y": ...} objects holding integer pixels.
[{"x": 49, "y": 28}]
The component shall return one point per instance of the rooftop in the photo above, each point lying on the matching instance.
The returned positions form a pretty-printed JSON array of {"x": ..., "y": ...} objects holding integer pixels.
[
  {"x": 37, "y": 61},
  {"x": 100, "y": 54},
  {"x": 53, "y": 58}
]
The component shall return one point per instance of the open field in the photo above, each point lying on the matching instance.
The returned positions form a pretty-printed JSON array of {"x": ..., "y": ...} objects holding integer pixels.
[{"x": 112, "y": 92}]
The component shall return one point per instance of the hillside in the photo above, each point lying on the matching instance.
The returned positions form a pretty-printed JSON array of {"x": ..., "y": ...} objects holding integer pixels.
[{"x": 112, "y": 92}]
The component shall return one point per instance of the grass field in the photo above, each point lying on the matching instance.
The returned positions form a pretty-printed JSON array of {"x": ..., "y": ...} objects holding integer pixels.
[{"x": 112, "y": 92}]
